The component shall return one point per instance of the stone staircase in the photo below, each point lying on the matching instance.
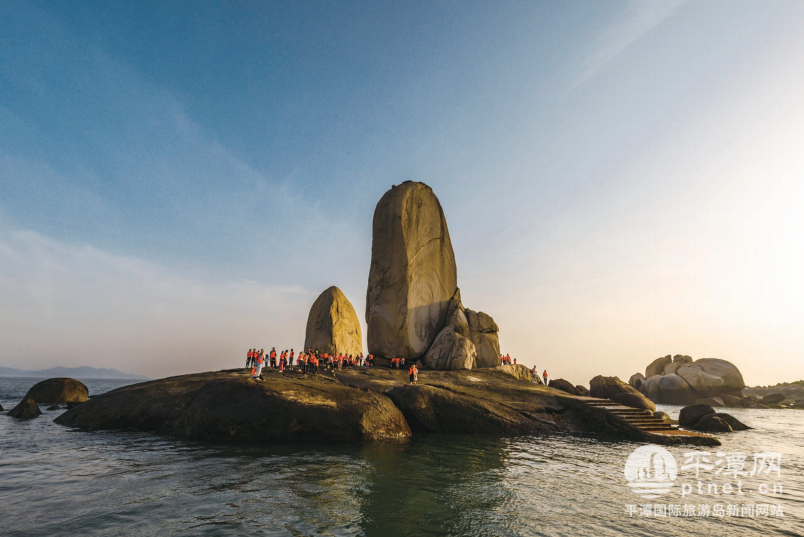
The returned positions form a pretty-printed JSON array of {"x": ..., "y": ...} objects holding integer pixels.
[{"x": 609, "y": 417}]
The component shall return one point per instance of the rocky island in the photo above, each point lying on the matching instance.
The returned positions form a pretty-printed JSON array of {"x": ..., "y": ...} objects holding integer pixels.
[{"x": 413, "y": 310}]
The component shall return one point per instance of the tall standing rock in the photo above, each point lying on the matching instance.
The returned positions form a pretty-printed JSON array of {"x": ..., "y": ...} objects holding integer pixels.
[
  {"x": 412, "y": 275},
  {"x": 332, "y": 325}
]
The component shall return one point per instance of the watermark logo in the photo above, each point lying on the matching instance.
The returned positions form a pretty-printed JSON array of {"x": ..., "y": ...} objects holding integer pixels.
[{"x": 651, "y": 471}]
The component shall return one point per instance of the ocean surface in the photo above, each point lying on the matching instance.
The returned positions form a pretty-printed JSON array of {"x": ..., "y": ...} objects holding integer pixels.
[{"x": 59, "y": 481}]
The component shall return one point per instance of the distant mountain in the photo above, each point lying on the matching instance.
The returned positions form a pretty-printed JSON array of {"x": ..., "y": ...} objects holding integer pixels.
[{"x": 84, "y": 372}]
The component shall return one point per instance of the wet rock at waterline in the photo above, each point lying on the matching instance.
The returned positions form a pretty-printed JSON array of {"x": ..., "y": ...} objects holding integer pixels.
[
  {"x": 333, "y": 326},
  {"x": 26, "y": 409}
]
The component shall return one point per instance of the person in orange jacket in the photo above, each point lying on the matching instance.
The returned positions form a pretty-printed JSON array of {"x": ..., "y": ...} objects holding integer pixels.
[{"x": 414, "y": 373}]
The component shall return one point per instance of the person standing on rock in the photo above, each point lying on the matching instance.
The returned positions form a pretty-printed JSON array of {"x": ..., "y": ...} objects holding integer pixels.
[
  {"x": 545, "y": 377},
  {"x": 258, "y": 372},
  {"x": 248, "y": 359},
  {"x": 535, "y": 373},
  {"x": 413, "y": 372},
  {"x": 290, "y": 358}
]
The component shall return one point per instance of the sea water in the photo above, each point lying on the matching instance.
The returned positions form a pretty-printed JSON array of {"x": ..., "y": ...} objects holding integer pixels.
[{"x": 59, "y": 481}]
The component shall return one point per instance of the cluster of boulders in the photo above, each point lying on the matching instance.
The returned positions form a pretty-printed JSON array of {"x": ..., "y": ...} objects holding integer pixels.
[
  {"x": 702, "y": 417},
  {"x": 413, "y": 304},
  {"x": 680, "y": 380},
  {"x": 53, "y": 392}
]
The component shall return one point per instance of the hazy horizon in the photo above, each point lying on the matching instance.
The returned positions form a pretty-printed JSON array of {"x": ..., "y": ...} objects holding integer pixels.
[{"x": 621, "y": 180}]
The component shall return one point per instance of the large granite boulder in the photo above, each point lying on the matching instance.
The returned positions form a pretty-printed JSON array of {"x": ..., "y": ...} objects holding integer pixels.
[
  {"x": 27, "y": 409},
  {"x": 412, "y": 275},
  {"x": 681, "y": 381},
  {"x": 332, "y": 325},
  {"x": 564, "y": 386},
  {"x": 483, "y": 332},
  {"x": 59, "y": 390},
  {"x": 730, "y": 400}
]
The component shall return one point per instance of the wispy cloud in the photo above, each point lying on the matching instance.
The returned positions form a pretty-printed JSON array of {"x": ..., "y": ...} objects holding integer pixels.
[
  {"x": 638, "y": 19},
  {"x": 77, "y": 305}
]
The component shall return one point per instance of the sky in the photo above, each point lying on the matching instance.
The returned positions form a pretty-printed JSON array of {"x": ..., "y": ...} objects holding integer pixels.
[{"x": 621, "y": 179}]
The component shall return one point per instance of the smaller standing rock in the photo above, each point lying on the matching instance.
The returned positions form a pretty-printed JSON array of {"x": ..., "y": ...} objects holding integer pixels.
[
  {"x": 583, "y": 390},
  {"x": 690, "y": 415},
  {"x": 637, "y": 380},
  {"x": 1, "y": 408},
  {"x": 663, "y": 416},
  {"x": 54, "y": 407},
  {"x": 27, "y": 409}
]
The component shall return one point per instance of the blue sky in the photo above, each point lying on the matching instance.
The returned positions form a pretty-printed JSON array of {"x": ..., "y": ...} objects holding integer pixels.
[{"x": 622, "y": 180}]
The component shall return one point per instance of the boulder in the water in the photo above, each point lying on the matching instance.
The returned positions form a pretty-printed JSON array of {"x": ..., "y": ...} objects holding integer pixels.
[
  {"x": 332, "y": 325},
  {"x": 54, "y": 407},
  {"x": 564, "y": 386},
  {"x": 59, "y": 390},
  {"x": 682, "y": 381},
  {"x": 690, "y": 415},
  {"x": 712, "y": 423},
  {"x": 27, "y": 409},
  {"x": 734, "y": 423}
]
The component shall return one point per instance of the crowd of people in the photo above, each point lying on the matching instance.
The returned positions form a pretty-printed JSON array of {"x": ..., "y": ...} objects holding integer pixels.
[
  {"x": 306, "y": 362},
  {"x": 313, "y": 361}
]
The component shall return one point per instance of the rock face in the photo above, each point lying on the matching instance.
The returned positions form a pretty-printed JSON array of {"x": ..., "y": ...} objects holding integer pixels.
[
  {"x": 413, "y": 304},
  {"x": 27, "y": 409},
  {"x": 332, "y": 325},
  {"x": 681, "y": 381},
  {"x": 353, "y": 405},
  {"x": 564, "y": 386},
  {"x": 412, "y": 275},
  {"x": 691, "y": 414},
  {"x": 231, "y": 406},
  {"x": 59, "y": 390}
]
